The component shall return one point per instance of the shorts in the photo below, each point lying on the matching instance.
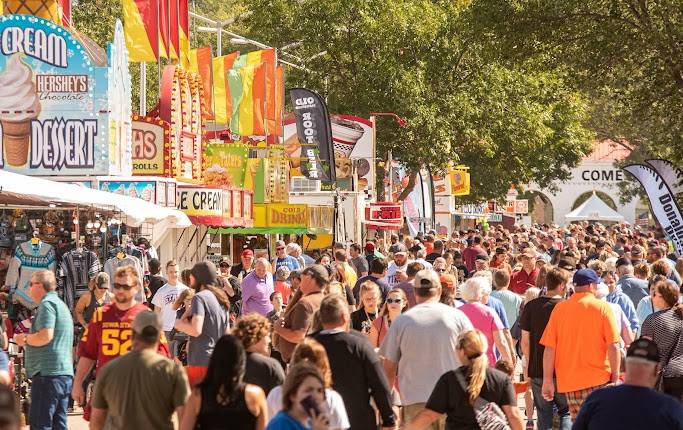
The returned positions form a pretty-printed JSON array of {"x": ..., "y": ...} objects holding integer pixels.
[
  {"x": 576, "y": 398},
  {"x": 195, "y": 374}
]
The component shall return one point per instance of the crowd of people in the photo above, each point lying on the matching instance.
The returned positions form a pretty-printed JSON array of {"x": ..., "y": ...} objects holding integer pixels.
[{"x": 583, "y": 321}]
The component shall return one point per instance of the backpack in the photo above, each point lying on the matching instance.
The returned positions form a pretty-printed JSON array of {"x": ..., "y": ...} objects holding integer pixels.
[{"x": 489, "y": 415}]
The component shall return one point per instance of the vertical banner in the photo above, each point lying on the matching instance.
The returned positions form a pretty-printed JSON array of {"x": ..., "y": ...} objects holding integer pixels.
[
  {"x": 174, "y": 29},
  {"x": 662, "y": 202},
  {"x": 141, "y": 28},
  {"x": 200, "y": 63},
  {"x": 315, "y": 134},
  {"x": 164, "y": 28},
  {"x": 184, "y": 24},
  {"x": 222, "y": 99}
]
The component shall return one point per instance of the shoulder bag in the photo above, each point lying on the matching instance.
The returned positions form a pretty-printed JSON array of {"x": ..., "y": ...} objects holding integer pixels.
[
  {"x": 659, "y": 385},
  {"x": 489, "y": 415}
]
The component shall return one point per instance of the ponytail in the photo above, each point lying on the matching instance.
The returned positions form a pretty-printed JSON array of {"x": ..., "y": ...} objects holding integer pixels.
[{"x": 474, "y": 345}]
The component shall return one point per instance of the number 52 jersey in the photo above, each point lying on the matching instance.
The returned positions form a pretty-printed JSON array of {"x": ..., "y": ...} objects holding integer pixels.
[{"x": 110, "y": 335}]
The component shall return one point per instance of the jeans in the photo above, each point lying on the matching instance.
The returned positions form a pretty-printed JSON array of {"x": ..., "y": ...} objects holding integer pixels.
[
  {"x": 544, "y": 408},
  {"x": 49, "y": 401}
]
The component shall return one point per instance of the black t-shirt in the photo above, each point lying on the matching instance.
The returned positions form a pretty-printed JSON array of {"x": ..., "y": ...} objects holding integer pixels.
[
  {"x": 263, "y": 371},
  {"x": 449, "y": 398},
  {"x": 534, "y": 318},
  {"x": 433, "y": 256},
  {"x": 156, "y": 282},
  {"x": 362, "y": 321}
]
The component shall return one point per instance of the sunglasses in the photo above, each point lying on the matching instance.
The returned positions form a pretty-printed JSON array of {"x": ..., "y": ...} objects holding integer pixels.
[
  {"x": 118, "y": 286},
  {"x": 392, "y": 301},
  {"x": 279, "y": 249}
]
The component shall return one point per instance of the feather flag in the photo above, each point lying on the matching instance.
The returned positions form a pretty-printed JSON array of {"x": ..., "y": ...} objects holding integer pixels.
[
  {"x": 141, "y": 28},
  {"x": 200, "y": 63},
  {"x": 222, "y": 100}
]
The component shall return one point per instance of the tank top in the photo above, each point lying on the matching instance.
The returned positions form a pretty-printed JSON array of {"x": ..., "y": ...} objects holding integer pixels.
[
  {"x": 213, "y": 416},
  {"x": 93, "y": 305}
]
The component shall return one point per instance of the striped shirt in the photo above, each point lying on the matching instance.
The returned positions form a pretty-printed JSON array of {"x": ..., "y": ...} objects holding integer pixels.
[
  {"x": 55, "y": 358},
  {"x": 664, "y": 328}
]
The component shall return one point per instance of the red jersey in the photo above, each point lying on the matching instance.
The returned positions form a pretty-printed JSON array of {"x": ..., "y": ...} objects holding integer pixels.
[{"x": 109, "y": 334}]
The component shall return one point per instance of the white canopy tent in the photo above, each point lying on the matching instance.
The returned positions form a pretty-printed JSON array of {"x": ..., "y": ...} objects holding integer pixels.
[
  {"x": 18, "y": 189},
  {"x": 594, "y": 209}
]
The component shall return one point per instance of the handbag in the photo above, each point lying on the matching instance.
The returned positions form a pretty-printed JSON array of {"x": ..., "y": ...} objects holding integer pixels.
[
  {"x": 659, "y": 385},
  {"x": 489, "y": 415}
]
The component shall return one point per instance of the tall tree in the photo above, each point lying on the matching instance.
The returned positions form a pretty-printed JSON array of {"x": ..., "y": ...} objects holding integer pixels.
[{"x": 420, "y": 60}]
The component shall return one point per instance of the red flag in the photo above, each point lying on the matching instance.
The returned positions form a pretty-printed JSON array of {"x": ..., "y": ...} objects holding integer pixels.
[
  {"x": 174, "y": 30},
  {"x": 164, "y": 28},
  {"x": 184, "y": 20}
]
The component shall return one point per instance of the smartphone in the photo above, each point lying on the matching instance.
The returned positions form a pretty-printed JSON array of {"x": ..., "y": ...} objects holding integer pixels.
[{"x": 310, "y": 404}]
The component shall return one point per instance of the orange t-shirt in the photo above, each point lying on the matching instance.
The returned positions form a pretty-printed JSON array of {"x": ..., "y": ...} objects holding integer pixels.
[{"x": 580, "y": 329}]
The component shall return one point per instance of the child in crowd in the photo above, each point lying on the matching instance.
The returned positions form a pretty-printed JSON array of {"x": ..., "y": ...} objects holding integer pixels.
[{"x": 281, "y": 284}]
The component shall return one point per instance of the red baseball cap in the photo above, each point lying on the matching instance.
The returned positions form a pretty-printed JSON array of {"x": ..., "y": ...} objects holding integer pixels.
[{"x": 247, "y": 253}]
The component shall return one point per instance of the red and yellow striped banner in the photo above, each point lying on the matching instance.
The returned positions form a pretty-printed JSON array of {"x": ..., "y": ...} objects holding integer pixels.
[
  {"x": 200, "y": 63},
  {"x": 141, "y": 28}
]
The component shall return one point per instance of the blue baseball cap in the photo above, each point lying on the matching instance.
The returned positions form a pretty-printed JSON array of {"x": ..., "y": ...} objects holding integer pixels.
[{"x": 584, "y": 277}]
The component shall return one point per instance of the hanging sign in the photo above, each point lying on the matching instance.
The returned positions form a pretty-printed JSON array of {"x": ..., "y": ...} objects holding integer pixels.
[
  {"x": 225, "y": 164},
  {"x": 151, "y": 155},
  {"x": 202, "y": 205},
  {"x": 384, "y": 216},
  {"x": 54, "y": 107},
  {"x": 284, "y": 215}
]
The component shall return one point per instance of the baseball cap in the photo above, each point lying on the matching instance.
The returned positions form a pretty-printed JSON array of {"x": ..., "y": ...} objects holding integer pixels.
[
  {"x": 369, "y": 247},
  {"x": 147, "y": 326},
  {"x": 247, "y": 253},
  {"x": 205, "y": 273},
  {"x": 317, "y": 271},
  {"x": 400, "y": 249},
  {"x": 500, "y": 250},
  {"x": 280, "y": 244},
  {"x": 643, "y": 350},
  {"x": 481, "y": 257},
  {"x": 584, "y": 277},
  {"x": 528, "y": 252},
  {"x": 224, "y": 263},
  {"x": 622, "y": 261},
  {"x": 447, "y": 280},
  {"x": 427, "y": 279},
  {"x": 102, "y": 280}
]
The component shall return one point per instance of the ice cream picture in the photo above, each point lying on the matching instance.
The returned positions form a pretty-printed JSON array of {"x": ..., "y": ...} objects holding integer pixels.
[{"x": 19, "y": 104}]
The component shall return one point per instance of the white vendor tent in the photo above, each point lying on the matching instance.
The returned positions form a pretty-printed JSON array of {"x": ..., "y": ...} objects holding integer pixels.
[
  {"x": 594, "y": 209},
  {"x": 18, "y": 189}
]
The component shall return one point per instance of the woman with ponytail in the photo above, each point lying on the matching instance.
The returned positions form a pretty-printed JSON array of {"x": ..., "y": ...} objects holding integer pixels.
[
  {"x": 665, "y": 328},
  {"x": 457, "y": 390}
]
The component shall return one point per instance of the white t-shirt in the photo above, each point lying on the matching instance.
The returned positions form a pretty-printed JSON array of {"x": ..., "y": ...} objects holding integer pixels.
[
  {"x": 390, "y": 277},
  {"x": 337, "y": 411},
  {"x": 421, "y": 361},
  {"x": 163, "y": 299}
]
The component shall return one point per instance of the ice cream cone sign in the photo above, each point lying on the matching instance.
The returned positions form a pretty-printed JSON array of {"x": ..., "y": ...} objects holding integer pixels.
[{"x": 19, "y": 104}]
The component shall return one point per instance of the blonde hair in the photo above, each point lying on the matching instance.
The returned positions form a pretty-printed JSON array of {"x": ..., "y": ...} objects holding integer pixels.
[
  {"x": 473, "y": 344},
  {"x": 187, "y": 293},
  {"x": 365, "y": 288},
  {"x": 312, "y": 352},
  {"x": 531, "y": 293}
]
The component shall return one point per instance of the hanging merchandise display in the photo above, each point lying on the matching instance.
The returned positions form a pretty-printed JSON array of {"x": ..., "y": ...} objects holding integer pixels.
[
  {"x": 76, "y": 269},
  {"x": 122, "y": 258},
  {"x": 29, "y": 257},
  {"x": 62, "y": 111}
]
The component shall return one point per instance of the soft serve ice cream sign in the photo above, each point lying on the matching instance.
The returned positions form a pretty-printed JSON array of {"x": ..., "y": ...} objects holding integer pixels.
[{"x": 53, "y": 101}]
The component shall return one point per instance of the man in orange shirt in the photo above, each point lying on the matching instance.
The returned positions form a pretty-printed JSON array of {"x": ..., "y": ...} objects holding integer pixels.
[{"x": 581, "y": 344}]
